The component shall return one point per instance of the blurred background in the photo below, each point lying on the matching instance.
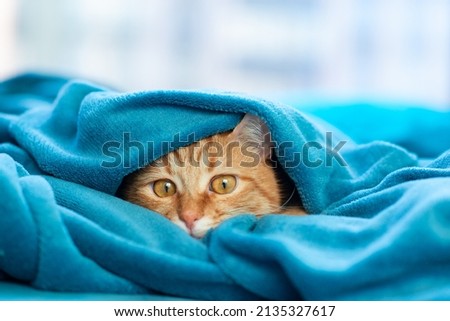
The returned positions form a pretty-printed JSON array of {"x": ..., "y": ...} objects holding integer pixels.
[{"x": 395, "y": 49}]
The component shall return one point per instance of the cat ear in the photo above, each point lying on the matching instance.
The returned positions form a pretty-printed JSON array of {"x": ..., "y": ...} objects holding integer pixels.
[{"x": 253, "y": 130}]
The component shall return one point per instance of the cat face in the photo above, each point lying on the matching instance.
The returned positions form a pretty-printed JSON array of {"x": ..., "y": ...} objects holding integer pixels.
[{"x": 199, "y": 186}]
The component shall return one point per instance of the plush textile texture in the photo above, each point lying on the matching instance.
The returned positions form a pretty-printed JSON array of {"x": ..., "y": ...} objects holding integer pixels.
[{"x": 380, "y": 217}]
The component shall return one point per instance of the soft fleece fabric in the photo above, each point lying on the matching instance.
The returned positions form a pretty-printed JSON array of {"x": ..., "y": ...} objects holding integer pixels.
[{"x": 379, "y": 224}]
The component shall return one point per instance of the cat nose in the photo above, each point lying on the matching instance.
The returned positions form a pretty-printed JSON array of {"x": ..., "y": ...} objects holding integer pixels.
[{"x": 189, "y": 217}]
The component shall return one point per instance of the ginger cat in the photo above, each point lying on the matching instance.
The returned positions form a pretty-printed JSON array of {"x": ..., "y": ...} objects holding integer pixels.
[{"x": 199, "y": 186}]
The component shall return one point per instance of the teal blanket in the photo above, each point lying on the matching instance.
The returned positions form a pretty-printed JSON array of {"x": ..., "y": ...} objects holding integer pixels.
[{"x": 380, "y": 217}]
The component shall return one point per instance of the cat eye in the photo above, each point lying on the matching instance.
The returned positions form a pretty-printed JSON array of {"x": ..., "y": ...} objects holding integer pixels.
[
  {"x": 224, "y": 184},
  {"x": 164, "y": 188}
]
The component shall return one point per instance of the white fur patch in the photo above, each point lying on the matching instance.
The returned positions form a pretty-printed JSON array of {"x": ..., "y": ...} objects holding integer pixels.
[{"x": 202, "y": 226}]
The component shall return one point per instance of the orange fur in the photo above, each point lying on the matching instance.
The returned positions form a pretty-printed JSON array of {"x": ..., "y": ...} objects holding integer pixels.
[{"x": 194, "y": 206}]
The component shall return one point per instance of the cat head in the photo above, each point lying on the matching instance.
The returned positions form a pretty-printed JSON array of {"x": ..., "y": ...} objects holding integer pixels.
[{"x": 199, "y": 186}]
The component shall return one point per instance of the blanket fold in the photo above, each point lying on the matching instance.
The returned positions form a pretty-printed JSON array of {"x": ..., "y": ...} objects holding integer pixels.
[{"x": 379, "y": 224}]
